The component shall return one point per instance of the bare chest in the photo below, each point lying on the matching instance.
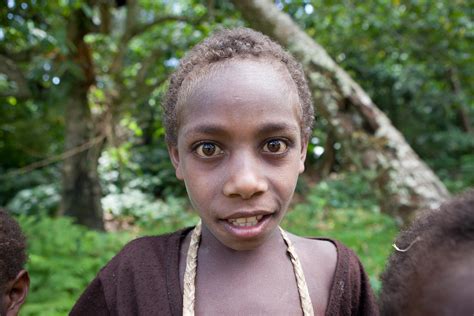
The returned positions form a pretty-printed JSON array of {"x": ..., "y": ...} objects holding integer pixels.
[
  {"x": 270, "y": 291},
  {"x": 260, "y": 289},
  {"x": 261, "y": 283}
]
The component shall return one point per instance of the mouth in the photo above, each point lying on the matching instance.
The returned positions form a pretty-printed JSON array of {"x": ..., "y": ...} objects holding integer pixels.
[
  {"x": 248, "y": 225},
  {"x": 245, "y": 221}
]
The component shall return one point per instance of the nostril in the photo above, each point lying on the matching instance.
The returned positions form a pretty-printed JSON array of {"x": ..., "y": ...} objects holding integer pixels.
[{"x": 245, "y": 187}]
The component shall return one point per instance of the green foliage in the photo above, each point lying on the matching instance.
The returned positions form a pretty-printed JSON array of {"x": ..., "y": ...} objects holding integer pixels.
[
  {"x": 12, "y": 184},
  {"x": 144, "y": 168},
  {"x": 32, "y": 201},
  {"x": 144, "y": 190},
  {"x": 455, "y": 162},
  {"x": 30, "y": 129},
  {"x": 63, "y": 259},
  {"x": 147, "y": 212}
]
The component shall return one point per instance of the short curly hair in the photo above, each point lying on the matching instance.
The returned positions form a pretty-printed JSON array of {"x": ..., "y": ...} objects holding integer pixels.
[
  {"x": 224, "y": 45},
  {"x": 436, "y": 257},
  {"x": 12, "y": 248}
]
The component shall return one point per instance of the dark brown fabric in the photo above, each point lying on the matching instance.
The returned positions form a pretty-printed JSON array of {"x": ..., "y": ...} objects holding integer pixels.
[
  {"x": 351, "y": 293},
  {"x": 143, "y": 279}
]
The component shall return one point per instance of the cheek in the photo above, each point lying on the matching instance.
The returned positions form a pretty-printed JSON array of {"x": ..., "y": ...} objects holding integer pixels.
[
  {"x": 203, "y": 186},
  {"x": 284, "y": 180},
  {"x": 201, "y": 179},
  {"x": 289, "y": 187},
  {"x": 292, "y": 177}
]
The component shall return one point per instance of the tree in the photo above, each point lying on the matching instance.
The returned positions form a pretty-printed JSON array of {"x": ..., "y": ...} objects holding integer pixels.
[
  {"x": 403, "y": 181},
  {"x": 81, "y": 192}
]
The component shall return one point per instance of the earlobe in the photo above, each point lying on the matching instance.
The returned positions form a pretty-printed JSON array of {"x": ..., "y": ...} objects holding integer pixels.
[
  {"x": 174, "y": 156},
  {"x": 17, "y": 290}
]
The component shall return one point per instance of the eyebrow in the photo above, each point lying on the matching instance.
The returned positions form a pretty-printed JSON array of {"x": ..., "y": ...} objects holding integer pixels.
[{"x": 265, "y": 128}]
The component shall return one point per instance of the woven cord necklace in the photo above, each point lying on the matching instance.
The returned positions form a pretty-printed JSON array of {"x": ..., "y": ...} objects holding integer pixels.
[{"x": 189, "y": 295}]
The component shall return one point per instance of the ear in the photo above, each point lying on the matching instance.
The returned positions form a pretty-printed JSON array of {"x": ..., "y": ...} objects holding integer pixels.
[
  {"x": 304, "y": 150},
  {"x": 16, "y": 292},
  {"x": 174, "y": 156}
]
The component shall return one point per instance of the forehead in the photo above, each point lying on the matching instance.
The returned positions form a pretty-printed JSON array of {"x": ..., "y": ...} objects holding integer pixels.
[{"x": 246, "y": 85}]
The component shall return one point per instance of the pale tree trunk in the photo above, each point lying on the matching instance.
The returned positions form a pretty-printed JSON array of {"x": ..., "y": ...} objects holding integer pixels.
[
  {"x": 404, "y": 183},
  {"x": 81, "y": 192}
]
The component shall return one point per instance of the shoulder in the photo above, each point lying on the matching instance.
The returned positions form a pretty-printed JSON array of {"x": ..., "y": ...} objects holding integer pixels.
[
  {"x": 323, "y": 247},
  {"x": 351, "y": 293},
  {"x": 144, "y": 252},
  {"x": 320, "y": 253},
  {"x": 341, "y": 274},
  {"x": 146, "y": 246},
  {"x": 147, "y": 265}
]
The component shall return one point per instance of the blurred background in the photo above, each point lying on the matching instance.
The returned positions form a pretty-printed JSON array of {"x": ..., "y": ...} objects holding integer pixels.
[{"x": 83, "y": 162}]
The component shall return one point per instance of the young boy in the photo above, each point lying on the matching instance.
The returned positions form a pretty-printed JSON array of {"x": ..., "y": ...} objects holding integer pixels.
[
  {"x": 238, "y": 116},
  {"x": 14, "y": 280},
  {"x": 432, "y": 270}
]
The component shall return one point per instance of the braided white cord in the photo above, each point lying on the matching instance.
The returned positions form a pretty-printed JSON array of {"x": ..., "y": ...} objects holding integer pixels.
[
  {"x": 189, "y": 286},
  {"x": 306, "y": 304},
  {"x": 189, "y": 294}
]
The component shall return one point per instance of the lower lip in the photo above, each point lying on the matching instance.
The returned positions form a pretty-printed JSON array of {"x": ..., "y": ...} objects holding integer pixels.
[{"x": 248, "y": 232}]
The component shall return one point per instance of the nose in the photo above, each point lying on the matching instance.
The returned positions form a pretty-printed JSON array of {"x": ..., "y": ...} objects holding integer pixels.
[{"x": 245, "y": 178}]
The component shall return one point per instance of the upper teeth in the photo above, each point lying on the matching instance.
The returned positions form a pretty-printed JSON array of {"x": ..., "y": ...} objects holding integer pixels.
[{"x": 245, "y": 221}]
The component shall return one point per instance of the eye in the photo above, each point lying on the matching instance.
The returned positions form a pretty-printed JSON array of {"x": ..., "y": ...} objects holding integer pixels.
[
  {"x": 208, "y": 150},
  {"x": 275, "y": 146}
]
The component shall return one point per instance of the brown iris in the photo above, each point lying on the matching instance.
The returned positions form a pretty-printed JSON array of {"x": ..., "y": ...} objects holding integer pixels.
[
  {"x": 274, "y": 146},
  {"x": 208, "y": 149}
]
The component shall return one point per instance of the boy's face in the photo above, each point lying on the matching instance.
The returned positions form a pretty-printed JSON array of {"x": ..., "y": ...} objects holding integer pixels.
[{"x": 240, "y": 150}]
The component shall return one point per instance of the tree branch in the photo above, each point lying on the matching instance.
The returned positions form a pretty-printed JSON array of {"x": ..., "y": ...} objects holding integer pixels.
[
  {"x": 160, "y": 20},
  {"x": 132, "y": 30},
  {"x": 130, "y": 21}
]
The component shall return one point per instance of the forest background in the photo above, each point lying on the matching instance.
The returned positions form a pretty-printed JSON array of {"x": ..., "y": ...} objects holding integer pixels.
[{"x": 84, "y": 166}]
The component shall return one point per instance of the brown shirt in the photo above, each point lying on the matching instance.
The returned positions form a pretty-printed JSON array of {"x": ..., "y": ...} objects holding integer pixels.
[{"x": 143, "y": 279}]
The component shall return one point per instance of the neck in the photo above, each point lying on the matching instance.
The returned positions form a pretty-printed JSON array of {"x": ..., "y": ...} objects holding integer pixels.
[{"x": 212, "y": 247}]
